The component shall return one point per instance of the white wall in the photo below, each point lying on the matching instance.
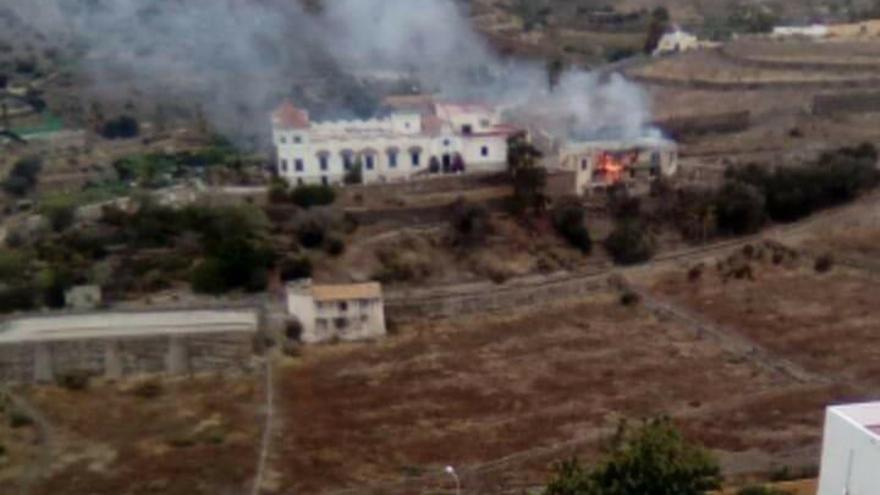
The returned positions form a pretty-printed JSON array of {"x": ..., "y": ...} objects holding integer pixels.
[
  {"x": 850, "y": 457},
  {"x": 301, "y": 306}
]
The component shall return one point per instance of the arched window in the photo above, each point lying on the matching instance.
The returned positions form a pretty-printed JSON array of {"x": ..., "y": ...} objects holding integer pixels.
[
  {"x": 369, "y": 158},
  {"x": 415, "y": 155},
  {"x": 347, "y": 159},
  {"x": 324, "y": 160},
  {"x": 392, "y": 153}
]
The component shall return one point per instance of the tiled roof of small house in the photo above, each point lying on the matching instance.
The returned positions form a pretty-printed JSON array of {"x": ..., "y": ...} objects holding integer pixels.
[
  {"x": 288, "y": 116},
  {"x": 347, "y": 292}
]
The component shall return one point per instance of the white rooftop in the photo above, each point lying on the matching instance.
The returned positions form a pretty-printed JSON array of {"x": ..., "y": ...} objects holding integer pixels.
[
  {"x": 123, "y": 324},
  {"x": 865, "y": 415},
  {"x": 621, "y": 144}
]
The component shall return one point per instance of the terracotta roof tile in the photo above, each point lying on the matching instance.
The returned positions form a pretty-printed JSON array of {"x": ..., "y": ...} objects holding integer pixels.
[
  {"x": 288, "y": 116},
  {"x": 371, "y": 290}
]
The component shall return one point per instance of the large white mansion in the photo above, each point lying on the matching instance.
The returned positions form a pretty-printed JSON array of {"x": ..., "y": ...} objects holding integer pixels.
[{"x": 438, "y": 138}]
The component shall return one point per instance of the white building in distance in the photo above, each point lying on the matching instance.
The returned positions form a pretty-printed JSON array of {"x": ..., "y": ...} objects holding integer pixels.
[
  {"x": 337, "y": 312},
  {"x": 675, "y": 42},
  {"x": 630, "y": 162},
  {"x": 851, "y": 450},
  {"x": 442, "y": 138},
  {"x": 816, "y": 31}
]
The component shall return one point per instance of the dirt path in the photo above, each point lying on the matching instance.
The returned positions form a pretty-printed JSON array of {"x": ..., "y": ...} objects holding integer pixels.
[{"x": 266, "y": 439}]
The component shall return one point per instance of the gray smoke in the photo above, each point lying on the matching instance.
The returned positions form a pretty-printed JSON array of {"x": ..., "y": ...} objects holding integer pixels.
[{"x": 235, "y": 59}]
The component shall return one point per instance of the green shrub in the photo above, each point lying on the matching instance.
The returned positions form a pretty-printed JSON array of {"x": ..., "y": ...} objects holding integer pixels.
[
  {"x": 568, "y": 220},
  {"x": 122, "y": 127},
  {"x": 630, "y": 243},
  {"x": 23, "y": 176},
  {"x": 824, "y": 263},
  {"x": 630, "y": 298},
  {"x": 311, "y": 233},
  {"x": 470, "y": 224},
  {"x": 75, "y": 380},
  {"x": 739, "y": 209},
  {"x": 19, "y": 419},
  {"x": 307, "y": 196},
  {"x": 208, "y": 277},
  {"x": 334, "y": 246},
  {"x": 148, "y": 389},
  {"x": 295, "y": 268}
]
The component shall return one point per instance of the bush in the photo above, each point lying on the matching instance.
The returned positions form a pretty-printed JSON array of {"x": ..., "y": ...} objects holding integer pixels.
[
  {"x": 739, "y": 209},
  {"x": 18, "y": 298},
  {"x": 630, "y": 243},
  {"x": 630, "y": 298},
  {"x": 23, "y": 177},
  {"x": 75, "y": 380},
  {"x": 311, "y": 233},
  {"x": 824, "y": 263},
  {"x": 122, "y": 127},
  {"x": 148, "y": 389},
  {"x": 208, "y": 277},
  {"x": 307, "y": 196},
  {"x": 568, "y": 220},
  {"x": 334, "y": 246},
  {"x": 470, "y": 224},
  {"x": 19, "y": 419},
  {"x": 60, "y": 212},
  {"x": 296, "y": 268}
]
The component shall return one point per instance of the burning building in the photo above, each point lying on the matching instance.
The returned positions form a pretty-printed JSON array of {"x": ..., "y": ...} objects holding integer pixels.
[
  {"x": 428, "y": 139},
  {"x": 629, "y": 162}
]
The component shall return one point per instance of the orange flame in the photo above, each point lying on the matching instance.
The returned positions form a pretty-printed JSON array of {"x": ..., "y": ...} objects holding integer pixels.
[{"x": 612, "y": 166}]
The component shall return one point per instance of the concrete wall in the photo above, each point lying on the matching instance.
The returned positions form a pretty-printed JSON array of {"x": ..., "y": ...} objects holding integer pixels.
[
  {"x": 118, "y": 357},
  {"x": 850, "y": 458}
]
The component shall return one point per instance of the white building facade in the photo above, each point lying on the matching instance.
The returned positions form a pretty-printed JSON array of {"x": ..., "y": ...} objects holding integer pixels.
[
  {"x": 675, "y": 42},
  {"x": 851, "y": 450},
  {"x": 603, "y": 164},
  {"x": 337, "y": 312},
  {"x": 447, "y": 139}
]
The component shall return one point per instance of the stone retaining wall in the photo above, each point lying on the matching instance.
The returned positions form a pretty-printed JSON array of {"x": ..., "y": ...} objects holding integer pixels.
[
  {"x": 846, "y": 103},
  {"x": 472, "y": 299}
]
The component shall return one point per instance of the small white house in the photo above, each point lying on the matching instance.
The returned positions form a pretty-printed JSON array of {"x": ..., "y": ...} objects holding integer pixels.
[
  {"x": 851, "y": 450},
  {"x": 83, "y": 297},
  {"x": 675, "y": 42},
  {"x": 442, "y": 138},
  {"x": 816, "y": 31},
  {"x": 337, "y": 312}
]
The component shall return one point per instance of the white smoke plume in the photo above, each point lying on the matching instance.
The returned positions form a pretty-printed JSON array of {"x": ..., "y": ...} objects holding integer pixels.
[{"x": 235, "y": 59}]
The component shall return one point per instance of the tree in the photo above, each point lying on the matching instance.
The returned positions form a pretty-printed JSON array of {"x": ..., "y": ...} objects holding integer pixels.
[
  {"x": 568, "y": 220},
  {"x": 653, "y": 459},
  {"x": 739, "y": 209},
  {"x": 630, "y": 243},
  {"x": 529, "y": 179},
  {"x": 656, "y": 29},
  {"x": 23, "y": 176},
  {"x": 470, "y": 224},
  {"x": 122, "y": 127},
  {"x": 307, "y": 196},
  {"x": 60, "y": 211}
]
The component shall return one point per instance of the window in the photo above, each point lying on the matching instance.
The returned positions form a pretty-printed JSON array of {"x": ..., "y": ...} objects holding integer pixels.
[
  {"x": 392, "y": 159},
  {"x": 298, "y": 165},
  {"x": 324, "y": 159},
  {"x": 343, "y": 306},
  {"x": 321, "y": 324},
  {"x": 368, "y": 162},
  {"x": 283, "y": 140},
  {"x": 445, "y": 142},
  {"x": 347, "y": 160},
  {"x": 484, "y": 123},
  {"x": 297, "y": 139},
  {"x": 284, "y": 165},
  {"x": 655, "y": 159},
  {"x": 324, "y": 181},
  {"x": 467, "y": 129},
  {"x": 484, "y": 151},
  {"x": 416, "y": 158},
  {"x": 584, "y": 164},
  {"x": 364, "y": 303},
  {"x": 341, "y": 323}
]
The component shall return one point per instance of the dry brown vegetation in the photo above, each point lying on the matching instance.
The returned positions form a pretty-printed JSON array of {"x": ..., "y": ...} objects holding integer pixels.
[
  {"x": 473, "y": 391},
  {"x": 174, "y": 437}
]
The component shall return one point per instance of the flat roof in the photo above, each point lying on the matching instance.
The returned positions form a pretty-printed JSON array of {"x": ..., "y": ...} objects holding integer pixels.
[
  {"x": 127, "y": 324},
  {"x": 347, "y": 292},
  {"x": 866, "y": 415}
]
